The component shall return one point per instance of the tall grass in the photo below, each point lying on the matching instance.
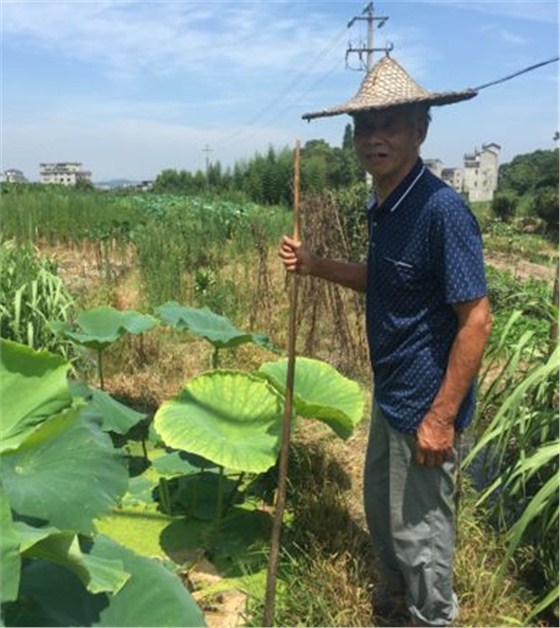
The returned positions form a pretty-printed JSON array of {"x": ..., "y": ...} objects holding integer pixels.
[
  {"x": 31, "y": 295},
  {"x": 519, "y": 439}
]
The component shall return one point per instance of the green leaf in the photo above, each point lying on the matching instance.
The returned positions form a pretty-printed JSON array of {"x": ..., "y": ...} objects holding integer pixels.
[
  {"x": 153, "y": 596},
  {"x": 67, "y": 473},
  {"x": 33, "y": 385},
  {"x": 320, "y": 392},
  {"x": 63, "y": 548},
  {"x": 100, "y": 327},
  {"x": 231, "y": 418},
  {"x": 206, "y": 324},
  {"x": 173, "y": 464},
  {"x": 113, "y": 415},
  {"x": 10, "y": 553}
]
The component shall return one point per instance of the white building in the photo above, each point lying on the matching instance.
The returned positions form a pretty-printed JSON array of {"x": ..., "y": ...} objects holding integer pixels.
[
  {"x": 65, "y": 173},
  {"x": 478, "y": 180},
  {"x": 481, "y": 173},
  {"x": 453, "y": 177},
  {"x": 13, "y": 175}
]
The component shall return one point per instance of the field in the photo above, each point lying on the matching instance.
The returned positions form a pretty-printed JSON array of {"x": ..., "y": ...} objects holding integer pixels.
[{"x": 170, "y": 315}]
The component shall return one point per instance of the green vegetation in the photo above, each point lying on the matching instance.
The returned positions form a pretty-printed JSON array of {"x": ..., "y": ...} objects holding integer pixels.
[
  {"x": 211, "y": 262},
  {"x": 528, "y": 187},
  {"x": 31, "y": 294}
]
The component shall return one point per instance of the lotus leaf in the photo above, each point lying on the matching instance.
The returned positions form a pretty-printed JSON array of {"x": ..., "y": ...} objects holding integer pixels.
[
  {"x": 100, "y": 327},
  {"x": 153, "y": 596},
  {"x": 10, "y": 554},
  {"x": 206, "y": 324},
  {"x": 62, "y": 547},
  {"x": 174, "y": 464},
  {"x": 229, "y": 417},
  {"x": 66, "y": 472},
  {"x": 33, "y": 387},
  {"x": 320, "y": 392},
  {"x": 112, "y": 415}
]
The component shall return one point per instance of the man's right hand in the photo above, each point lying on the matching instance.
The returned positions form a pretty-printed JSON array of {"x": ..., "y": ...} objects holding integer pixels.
[{"x": 296, "y": 256}]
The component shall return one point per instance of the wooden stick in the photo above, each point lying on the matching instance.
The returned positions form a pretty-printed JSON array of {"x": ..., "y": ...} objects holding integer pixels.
[{"x": 268, "y": 618}]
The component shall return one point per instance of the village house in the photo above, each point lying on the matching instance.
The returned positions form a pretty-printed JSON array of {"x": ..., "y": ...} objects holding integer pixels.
[
  {"x": 13, "y": 175},
  {"x": 64, "y": 173},
  {"x": 478, "y": 179}
]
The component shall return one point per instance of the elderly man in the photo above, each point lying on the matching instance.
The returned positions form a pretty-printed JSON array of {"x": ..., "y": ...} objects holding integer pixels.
[{"x": 428, "y": 320}]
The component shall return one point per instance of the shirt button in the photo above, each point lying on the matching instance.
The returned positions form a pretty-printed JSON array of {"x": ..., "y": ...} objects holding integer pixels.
[{"x": 374, "y": 224}]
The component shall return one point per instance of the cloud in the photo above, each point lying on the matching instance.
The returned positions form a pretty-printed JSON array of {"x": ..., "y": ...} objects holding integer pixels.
[{"x": 131, "y": 37}]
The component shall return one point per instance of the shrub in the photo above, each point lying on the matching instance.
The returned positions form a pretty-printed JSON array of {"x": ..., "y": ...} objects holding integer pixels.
[{"x": 504, "y": 205}]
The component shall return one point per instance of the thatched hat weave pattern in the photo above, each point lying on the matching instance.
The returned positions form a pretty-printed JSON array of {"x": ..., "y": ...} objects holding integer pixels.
[{"x": 386, "y": 85}]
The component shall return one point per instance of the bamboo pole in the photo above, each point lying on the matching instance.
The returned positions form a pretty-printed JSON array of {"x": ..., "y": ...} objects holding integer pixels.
[{"x": 270, "y": 599}]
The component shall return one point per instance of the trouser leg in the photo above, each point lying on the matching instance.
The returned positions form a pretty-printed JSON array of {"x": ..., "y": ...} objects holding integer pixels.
[
  {"x": 416, "y": 532},
  {"x": 377, "y": 502}
]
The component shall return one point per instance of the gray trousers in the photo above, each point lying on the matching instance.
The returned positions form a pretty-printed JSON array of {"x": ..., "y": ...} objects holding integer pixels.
[{"x": 410, "y": 513}]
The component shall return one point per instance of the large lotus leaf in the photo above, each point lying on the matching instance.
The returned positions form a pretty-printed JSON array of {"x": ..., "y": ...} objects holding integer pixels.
[
  {"x": 153, "y": 596},
  {"x": 320, "y": 392},
  {"x": 66, "y": 472},
  {"x": 231, "y": 418},
  {"x": 33, "y": 385},
  {"x": 63, "y": 548},
  {"x": 173, "y": 464},
  {"x": 10, "y": 564},
  {"x": 100, "y": 327},
  {"x": 206, "y": 324},
  {"x": 112, "y": 415}
]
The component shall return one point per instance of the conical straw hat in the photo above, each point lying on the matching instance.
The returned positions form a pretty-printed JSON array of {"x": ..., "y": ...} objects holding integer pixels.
[{"x": 386, "y": 85}]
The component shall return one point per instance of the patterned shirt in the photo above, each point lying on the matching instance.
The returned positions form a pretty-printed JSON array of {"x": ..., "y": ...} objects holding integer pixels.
[{"x": 425, "y": 254}]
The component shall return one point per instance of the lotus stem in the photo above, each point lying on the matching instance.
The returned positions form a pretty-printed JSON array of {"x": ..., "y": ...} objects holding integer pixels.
[
  {"x": 100, "y": 368},
  {"x": 215, "y": 358},
  {"x": 220, "y": 497}
]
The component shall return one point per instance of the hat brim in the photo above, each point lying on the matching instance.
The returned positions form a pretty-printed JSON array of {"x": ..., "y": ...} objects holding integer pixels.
[{"x": 357, "y": 105}]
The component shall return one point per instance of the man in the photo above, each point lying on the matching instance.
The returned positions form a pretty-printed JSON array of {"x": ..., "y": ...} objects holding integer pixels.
[{"x": 428, "y": 320}]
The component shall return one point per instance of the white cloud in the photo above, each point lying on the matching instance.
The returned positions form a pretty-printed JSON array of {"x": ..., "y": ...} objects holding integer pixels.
[{"x": 132, "y": 37}]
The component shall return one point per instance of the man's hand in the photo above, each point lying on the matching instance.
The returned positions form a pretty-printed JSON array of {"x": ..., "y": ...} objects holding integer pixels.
[
  {"x": 296, "y": 256},
  {"x": 434, "y": 439}
]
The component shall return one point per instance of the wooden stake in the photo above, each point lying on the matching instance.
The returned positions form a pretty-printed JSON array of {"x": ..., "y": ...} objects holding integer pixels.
[{"x": 268, "y": 618}]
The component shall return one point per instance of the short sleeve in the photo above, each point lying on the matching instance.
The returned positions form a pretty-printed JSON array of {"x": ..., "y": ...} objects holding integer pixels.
[{"x": 457, "y": 252}]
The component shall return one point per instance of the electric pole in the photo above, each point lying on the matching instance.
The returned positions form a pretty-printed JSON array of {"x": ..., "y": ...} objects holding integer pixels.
[
  {"x": 207, "y": 150},
  {"x": 369, "y": 17}
]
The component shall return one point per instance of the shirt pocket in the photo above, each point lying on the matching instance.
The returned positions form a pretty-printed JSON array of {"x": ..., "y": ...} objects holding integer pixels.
[{"x": 400, "y": 273}]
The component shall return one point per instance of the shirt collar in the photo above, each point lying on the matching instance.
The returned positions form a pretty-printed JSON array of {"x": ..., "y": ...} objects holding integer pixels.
[{"x": 401, "y": 191}]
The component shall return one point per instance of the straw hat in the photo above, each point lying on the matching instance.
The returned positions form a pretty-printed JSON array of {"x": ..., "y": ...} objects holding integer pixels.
[{"x": 386, "y": 85}]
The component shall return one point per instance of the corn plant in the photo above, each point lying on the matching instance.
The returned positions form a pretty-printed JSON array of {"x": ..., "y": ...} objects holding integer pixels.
[{"x": 31, "y": 294}]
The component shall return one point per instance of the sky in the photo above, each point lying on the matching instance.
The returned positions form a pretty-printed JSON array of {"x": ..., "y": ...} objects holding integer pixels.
[{"x": 132, "y": 87}]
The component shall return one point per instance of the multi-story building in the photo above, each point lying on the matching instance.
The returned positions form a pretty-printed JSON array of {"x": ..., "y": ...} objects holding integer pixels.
[
  {"x": 478, "y": 179},
  {"x": 65, "y": 173},
  {"x": 13, "y": 175},
  {"x": 481, "y": 173},
  {"x": 453, "y": 177}
]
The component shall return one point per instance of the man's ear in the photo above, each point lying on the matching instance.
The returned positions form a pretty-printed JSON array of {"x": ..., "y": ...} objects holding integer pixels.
[{"x": 421, "y": 130}]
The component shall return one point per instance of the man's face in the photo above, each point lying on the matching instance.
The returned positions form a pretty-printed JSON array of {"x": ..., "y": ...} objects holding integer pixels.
[{"x": 387, "y": 142}]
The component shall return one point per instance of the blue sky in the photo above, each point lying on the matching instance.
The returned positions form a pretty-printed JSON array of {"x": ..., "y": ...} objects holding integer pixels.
[{"x": 132, "y": 87}]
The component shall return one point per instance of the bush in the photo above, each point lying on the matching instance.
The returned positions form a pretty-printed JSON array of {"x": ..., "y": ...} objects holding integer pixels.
[
  {"x": 504, "y": 205},
  {"x": 546, "y": 208}
]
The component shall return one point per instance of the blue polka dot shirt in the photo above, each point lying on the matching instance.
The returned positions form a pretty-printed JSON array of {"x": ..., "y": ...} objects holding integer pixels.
[{"x": 425, "y": 254}]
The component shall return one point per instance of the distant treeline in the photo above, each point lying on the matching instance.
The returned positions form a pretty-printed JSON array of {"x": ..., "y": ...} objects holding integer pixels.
[{"x": 268, "y": 179}]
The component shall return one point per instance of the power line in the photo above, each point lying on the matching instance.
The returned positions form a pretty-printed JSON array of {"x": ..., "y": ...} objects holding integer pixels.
[
  {"x": 269, "y": 108},
  {"x": 510, "y": 76}
]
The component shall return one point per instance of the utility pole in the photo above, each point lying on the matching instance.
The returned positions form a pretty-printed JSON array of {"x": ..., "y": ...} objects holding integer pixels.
[
  {"x": 369, "y": 17},
  {"x": 207, "y": 150}
]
